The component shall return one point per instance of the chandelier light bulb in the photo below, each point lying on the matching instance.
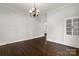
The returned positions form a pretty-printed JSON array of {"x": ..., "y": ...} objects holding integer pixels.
[
  {"x": 33, "y": 9},
  {"x": 30, "y": 11}
]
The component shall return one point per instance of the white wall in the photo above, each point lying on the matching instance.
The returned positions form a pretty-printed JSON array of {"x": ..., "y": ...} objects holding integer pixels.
[
  {"x": 17, "y": 26},
  {"x": 55, "y": 27}
]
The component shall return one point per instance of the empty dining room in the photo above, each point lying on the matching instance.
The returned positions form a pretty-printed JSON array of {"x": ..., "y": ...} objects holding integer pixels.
[{"x": 39, "y": 29}]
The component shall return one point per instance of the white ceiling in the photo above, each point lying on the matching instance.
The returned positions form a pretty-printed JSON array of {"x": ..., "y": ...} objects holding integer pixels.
[{"x": 43, "y": 7}]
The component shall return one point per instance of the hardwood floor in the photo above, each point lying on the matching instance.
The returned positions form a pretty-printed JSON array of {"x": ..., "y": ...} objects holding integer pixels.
[
  {"x": 29, "y": 47},
  {"x": 55, "y": 49},
  {"x": 37, "y": 47}
]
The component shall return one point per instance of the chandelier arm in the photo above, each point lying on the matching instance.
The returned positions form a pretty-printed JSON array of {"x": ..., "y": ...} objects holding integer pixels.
[{"x": 34, "y": 5}]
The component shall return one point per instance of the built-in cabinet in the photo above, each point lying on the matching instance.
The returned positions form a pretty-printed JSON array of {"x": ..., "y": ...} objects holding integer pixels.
[
  {"x": 72, "y": 26},
  {"x": 71, "y": 31}
]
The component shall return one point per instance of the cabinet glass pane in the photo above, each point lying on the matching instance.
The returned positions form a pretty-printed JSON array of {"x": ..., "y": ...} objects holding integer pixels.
[
  {"x": 75, "y": 33},
  {"x": 76, "y": 26},
  {"x": 69, "y": 33},
  {"x": 69, "y": 21},
  {"x": 76, "y": 20},
  {"x": 69, "y": 27}
]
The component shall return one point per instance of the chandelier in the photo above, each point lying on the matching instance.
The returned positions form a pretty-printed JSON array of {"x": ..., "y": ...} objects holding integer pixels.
[{"x": 34, "y": 11}]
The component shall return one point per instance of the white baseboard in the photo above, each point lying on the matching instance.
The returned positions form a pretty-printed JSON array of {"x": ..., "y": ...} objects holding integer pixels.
[
  {"x": 5, "y": 43},
  {"x": 55, "y": 41},
  {"x": 62, "y": 43}
]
